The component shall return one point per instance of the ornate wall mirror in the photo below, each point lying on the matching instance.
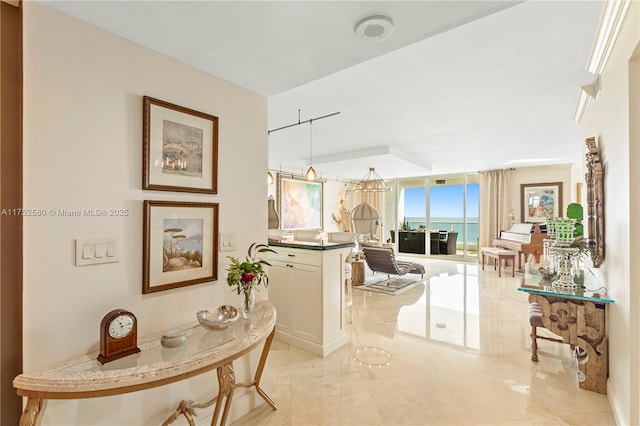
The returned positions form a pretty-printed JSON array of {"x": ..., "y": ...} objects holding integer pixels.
[{"x": 595, "y": 202}]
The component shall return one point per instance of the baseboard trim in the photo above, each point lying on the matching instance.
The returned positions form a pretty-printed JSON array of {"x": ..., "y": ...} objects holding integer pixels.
[
  {"x": 314, "y": 348},
  {"x": 240, "y": 406}
]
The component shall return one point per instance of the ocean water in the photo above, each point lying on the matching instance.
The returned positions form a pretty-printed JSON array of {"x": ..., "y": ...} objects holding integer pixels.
[{"x": 449, "y": 224}]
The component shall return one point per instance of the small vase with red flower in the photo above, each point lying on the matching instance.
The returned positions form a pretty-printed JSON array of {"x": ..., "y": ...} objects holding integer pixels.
[{"x": 245, "y": 276}]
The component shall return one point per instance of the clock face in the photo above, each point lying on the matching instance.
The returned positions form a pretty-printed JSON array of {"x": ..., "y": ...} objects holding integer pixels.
[{"x": 121, "y": 326}]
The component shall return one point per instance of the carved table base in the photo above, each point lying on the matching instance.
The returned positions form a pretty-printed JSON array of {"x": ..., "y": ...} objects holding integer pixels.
[
  {"x": 580, "y": 323},
  {"x": 226, "y": 386},
  {"x": 83, "y": 376},
  {"x": 31, "y": 412}
]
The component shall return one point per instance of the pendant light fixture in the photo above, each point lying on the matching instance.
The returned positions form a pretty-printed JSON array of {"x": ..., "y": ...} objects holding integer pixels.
[
  {"x": 371, "y": 182},
  {"x": 311, "y": 173}
]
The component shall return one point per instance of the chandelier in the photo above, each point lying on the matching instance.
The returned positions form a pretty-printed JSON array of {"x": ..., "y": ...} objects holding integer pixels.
[{"x": 371, "y": 182}]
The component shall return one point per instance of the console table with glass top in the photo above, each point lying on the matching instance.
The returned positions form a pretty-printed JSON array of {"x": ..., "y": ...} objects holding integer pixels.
[
  {"x": 578, "y": 317},
  {"x": 154, "y": 365}
]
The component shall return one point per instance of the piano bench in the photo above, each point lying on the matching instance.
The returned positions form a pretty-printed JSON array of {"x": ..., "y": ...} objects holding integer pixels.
[{"x": 498, "y": 255}]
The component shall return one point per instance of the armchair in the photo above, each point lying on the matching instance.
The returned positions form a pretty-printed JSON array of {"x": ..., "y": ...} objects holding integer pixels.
[
  {"x": 434, "y": 240},
  {"x": 448, "y": 246},
  {"x": 365, "y": 220},
  {"x": 383, "y": 259}
]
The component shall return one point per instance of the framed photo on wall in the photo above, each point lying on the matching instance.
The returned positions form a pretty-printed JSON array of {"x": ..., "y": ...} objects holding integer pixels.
[
  {"x": 180, "y": 148},
  {"x": 180, "y": 244},
  {"x": 300, "y": 203},
  {"x": 540, "y": 201}
]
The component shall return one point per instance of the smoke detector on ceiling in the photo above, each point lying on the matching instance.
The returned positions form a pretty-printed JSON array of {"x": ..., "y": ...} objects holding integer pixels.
[{"x": 374, "y": 28}]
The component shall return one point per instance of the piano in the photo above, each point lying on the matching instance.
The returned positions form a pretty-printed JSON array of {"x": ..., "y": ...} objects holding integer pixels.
[{"x": 523, "y": 238}]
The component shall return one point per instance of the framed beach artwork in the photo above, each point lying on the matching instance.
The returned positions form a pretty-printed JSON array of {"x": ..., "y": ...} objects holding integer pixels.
[
  {"x": 180, "y": 244},
  {"x": 540, "y": 201},
  {"x": 180, "y": 148},
  {"x": 300, "y": 203}
]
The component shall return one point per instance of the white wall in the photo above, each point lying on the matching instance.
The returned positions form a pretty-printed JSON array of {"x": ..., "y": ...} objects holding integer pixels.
[
  {"x": 610, "y": 120},
  {"x": 83, "y": 92},
  {"x": 333, "y": 192},
  {"x": 543, "y": 174}
]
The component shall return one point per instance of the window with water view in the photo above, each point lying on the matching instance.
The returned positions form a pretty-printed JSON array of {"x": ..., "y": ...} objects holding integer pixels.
[{"x": 451, "y": 207}]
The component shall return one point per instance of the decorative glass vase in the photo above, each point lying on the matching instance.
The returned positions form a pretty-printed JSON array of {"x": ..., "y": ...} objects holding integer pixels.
[{"x": 247, "y": 303}]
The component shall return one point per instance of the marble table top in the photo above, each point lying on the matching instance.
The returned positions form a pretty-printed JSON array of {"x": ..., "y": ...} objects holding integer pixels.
[{"x": 155, "y": 365}]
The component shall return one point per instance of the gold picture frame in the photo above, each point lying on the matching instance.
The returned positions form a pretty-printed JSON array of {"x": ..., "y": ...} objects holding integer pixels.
[
  {"x": 180, "y": 148},
  {"x": 180, "y": 244},
  {"x": 540, "y": 201}
]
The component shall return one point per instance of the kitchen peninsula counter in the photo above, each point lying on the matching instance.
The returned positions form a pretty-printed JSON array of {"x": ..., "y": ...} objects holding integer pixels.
[
  {"x": 310, "y": 245},
  {"x": 306, "y": 287}
]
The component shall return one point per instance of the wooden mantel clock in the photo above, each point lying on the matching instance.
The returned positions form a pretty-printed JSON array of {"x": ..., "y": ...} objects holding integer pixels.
[{"x": 118, "y": 335}]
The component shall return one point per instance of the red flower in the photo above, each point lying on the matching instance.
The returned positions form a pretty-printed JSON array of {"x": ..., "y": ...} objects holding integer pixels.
[{"x": 247, "y": 277}]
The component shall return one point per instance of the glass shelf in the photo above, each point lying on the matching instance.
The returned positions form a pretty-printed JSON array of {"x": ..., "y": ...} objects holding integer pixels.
[
  {"x": 198, "y": 340},
  {"x": 155, "y": 365},
  {"x": 590, "y": 289},
  {"x": 153, "y": 356}
]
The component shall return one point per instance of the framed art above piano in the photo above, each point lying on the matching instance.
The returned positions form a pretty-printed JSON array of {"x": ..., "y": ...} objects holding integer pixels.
[{"x": 540, "y": 201}]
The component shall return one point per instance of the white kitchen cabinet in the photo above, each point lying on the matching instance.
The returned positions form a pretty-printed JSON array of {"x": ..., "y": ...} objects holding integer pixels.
[{"x": 306, "y": 288}]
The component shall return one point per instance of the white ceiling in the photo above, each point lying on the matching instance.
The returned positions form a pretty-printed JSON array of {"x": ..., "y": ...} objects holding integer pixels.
[{"x": 459, "y": 86}]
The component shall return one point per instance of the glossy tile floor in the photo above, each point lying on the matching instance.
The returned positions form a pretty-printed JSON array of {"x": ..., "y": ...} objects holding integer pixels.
[{"x": 452, "y": 351}]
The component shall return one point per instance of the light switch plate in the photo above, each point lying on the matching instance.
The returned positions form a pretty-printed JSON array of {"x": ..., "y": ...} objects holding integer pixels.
[
  {"x": 112, "y": 248},
  {"x": 87, "y": 251},
  {"x": 97, "y": 250},
  {"x": 227, "y": 241}
]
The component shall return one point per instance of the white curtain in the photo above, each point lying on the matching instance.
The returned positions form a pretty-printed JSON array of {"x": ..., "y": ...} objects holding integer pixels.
[{"x": 495, "y": 205}]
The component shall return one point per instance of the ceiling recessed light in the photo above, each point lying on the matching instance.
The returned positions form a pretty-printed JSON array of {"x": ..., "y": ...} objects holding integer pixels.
[{"x": 374, "y": 28}]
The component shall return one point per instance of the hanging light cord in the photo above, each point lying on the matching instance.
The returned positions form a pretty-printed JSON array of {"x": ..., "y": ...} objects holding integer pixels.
[
  {"x": 311, "y": 173},
  {"x": 310, "y": 143}
]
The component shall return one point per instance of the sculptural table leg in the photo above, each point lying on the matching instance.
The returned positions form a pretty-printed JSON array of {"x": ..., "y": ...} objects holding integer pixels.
[
  {"x": 226, "y": 385},
  {"x": 31, "y": 412},
  {"x": 595, "y": 344},
  {"x": 595, "y": 371},
  {"x": 582, "y": 324},
  {"x": 258, "y": 376}
]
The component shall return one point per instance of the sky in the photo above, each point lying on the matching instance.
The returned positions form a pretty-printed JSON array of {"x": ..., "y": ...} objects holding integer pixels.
[{"x": 446, "y": 201}]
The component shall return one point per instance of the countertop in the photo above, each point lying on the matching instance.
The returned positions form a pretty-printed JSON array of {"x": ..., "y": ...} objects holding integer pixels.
[
  {"x": 309, "y": 245},
  {"x": 85, "y": 377}
]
